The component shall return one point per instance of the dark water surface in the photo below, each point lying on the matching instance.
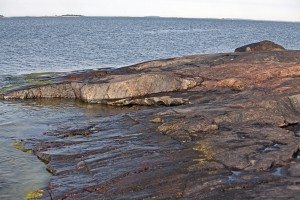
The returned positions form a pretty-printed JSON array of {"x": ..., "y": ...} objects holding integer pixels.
[{"x": 63, "y": 44}]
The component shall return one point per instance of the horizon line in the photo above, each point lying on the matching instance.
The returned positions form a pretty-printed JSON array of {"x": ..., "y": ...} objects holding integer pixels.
[{"x": 150, "y": 16}]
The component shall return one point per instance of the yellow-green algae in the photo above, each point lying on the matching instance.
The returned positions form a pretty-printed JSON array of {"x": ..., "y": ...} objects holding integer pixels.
[
  {"x": 205, "y": 150},
  {"x": 21, "y": 146},
  {"x": 40, "y": 82},
  {"x": 39, "y": 74},
  {"x": 31, "y": 80},
  {"x": 2, "y": 90},
  {"x": 34, "y": 195}
]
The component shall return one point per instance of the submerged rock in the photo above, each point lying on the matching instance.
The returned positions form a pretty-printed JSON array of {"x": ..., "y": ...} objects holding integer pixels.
[{"x": 261, "y": 46}]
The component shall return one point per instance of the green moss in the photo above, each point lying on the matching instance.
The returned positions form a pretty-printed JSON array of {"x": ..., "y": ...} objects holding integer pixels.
[
  {"x": 39, "y": 78},
  {"x": 31, "y": 80},
  {"x": 2, "y": 90},
  {"x": 33, "y": 83},
  {"x": 38, "y": 75},
  {"x": 40, "y": 82},
  {"x": 21, "y": 146},
  {"x": 34, "y": 195}
]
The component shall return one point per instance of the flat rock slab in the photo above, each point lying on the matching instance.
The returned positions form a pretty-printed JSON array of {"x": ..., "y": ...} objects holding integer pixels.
[{"x": 233, "y": 135}]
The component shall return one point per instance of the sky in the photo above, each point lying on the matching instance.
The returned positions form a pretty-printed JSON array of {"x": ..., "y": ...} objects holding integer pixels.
[{"x": 279, "y": 10}]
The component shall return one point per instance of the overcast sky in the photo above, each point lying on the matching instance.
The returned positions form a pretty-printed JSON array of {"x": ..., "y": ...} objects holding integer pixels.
[{"x": 286, "y": 10}]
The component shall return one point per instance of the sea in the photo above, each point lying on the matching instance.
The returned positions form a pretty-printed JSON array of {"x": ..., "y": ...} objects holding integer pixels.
[{"x": 62, "y": 44}]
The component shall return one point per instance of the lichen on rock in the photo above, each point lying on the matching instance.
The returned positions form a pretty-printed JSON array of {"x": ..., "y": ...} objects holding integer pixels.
[
  {"x": 34, "y": 195},
  {"x": 21, "y": 146}
]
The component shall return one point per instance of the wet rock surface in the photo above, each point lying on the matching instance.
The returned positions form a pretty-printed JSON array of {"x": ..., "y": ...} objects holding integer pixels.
[{"x": 233, "y": 134}]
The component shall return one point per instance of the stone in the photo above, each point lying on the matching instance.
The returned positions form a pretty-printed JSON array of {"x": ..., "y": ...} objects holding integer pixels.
[
  {"x": 114, "y": 87},
  {"x": 156, "y": 120},
  {"x": 232, "y": 131},
  {"x": 294, "y": 169},
  {"x": 260, "y": 46},
  {"x": 150, "y": 101}
]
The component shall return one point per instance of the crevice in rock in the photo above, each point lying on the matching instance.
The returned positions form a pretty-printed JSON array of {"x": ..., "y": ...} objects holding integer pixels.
[
  {"x": 294, "y": 127},
  {"x": 296, "y": 154},
  {"x": 50, "y": 195},
  {"x": 77, "y": 133},
  {"x": 270, "y": 148}
]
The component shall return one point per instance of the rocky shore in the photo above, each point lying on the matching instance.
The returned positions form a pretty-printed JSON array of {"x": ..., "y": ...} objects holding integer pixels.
[{"x": 219, "y": 126}]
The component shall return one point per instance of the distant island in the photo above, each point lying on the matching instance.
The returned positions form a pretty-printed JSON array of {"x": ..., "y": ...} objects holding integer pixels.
[
  {"x": 1, "y": 16},
  {"x": 70, "y": 15},
  {"x": 152, "y": 16}
]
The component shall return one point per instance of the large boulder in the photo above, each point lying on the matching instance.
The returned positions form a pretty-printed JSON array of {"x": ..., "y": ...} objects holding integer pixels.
[{"x": 261, "y": 46}]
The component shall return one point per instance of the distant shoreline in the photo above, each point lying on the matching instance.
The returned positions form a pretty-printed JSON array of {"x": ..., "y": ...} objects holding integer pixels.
[
  {"x": 150, "y": 17},
  {"x": 70, "y": 15}
]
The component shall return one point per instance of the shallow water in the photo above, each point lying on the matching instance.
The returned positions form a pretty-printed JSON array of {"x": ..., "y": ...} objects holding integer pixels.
[
  {"x": 22, "y": 172},
  {"x": 65, "y": 44}
]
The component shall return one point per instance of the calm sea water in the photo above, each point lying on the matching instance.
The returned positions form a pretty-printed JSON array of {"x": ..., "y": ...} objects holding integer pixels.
[
  {"x": 60, "y": 44},
  {"x": 63, "y": 44}
]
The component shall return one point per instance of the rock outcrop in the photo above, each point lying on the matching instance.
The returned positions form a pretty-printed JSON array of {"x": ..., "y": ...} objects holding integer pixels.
[
  {"x": 110, "y": 88},
  {"x": 234, "y": 133},
  {"x": 261, "y": 46}
]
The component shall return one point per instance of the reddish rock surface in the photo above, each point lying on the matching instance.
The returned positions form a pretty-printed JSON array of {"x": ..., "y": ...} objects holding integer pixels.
[{"x": 235, "y": 136}]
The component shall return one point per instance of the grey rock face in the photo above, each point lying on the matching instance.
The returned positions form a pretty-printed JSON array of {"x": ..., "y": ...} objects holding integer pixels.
[
  {"x": 114, "y": 87},
  {"x": 135, "y": 86}
]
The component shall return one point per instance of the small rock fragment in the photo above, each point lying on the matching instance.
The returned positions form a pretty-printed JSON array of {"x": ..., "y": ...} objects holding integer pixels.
[{"x": 156, "y": 120}]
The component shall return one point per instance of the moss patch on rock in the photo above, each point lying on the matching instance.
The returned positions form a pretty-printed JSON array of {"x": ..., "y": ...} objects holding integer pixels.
[
  {"x": 34, "y": 195},
  {"x": 2, "y": 90},
  {"x": 39, "y": 75},
  {"x": 21, "y": 146},
  {"x": 40, "y": 82}
]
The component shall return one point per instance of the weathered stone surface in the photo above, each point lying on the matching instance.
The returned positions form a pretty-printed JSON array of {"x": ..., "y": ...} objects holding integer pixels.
[
  {"x": 261, "y": 46},
  {"x": 151, "y": 101},
  {"x": 113, "y": 87},
  {"x": 233, "y": 135},
  {"x": 60, "y": 90},
  {"x": 134, "y": 86},
  {"x": 294, "y": 169}
]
